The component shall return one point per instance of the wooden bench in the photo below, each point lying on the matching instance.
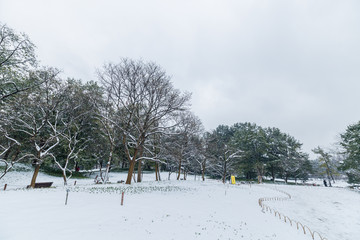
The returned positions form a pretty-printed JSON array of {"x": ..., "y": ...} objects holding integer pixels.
[{"x": 42, "y": 185}]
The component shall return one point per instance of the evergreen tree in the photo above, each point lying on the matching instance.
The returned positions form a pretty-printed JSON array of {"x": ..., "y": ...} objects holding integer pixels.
[{"x": 350, "y": 141}]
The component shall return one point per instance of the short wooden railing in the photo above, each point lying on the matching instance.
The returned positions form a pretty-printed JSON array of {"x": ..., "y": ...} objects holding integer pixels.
[{"x": 286, "y": 219}]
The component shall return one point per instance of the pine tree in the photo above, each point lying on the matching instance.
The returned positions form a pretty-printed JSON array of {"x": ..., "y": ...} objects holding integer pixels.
[{"x": 350, "y": 141}]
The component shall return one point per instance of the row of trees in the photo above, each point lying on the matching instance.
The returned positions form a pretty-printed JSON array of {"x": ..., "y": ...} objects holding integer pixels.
[
  {"x": 135, "y": 118},
  {"x": 66, "y": 123},
  {"x": 252, "y": 151},
  {"x": 132, "y": 118}
]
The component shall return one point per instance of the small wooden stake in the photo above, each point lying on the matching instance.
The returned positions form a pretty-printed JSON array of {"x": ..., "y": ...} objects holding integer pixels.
[
  {"x": 75, "y": 183},
  {"x": 5, "y": 187},
  {"x": 67, "y": 194},
  {"x": 122, "y": 198}
]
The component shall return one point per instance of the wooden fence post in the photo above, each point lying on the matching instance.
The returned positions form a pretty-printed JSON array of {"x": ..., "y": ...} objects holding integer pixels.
[
  {"x": 122, "y": 198},
  {"x": 67, "y": 194}
]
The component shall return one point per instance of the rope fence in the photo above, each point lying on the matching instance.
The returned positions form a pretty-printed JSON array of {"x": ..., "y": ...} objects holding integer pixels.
[{"x": 286, "y": 219}]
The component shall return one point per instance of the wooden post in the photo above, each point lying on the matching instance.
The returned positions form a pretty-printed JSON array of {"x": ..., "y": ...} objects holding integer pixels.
[
  {"x": 75, "y": 183},
  {"x": 5, "y": 187},
  {"x": 122, "y": 198},
  {"x": 67, "y": 194}
]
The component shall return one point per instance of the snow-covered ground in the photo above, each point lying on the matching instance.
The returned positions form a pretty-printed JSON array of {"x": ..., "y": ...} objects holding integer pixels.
[
  {"x": 334, "y": 212},
  {"x": 170, "y": 210}
]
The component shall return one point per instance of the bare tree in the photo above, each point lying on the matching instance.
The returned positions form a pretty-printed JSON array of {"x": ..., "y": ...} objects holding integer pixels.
[
  {"x": 182, "y": 143},
  {"x": 144, "y": 98},
  {"x": 200, "y": 155},
  {"x": 109, "y": 131}
]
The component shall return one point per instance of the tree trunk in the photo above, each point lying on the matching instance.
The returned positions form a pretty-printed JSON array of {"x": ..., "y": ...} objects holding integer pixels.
[
  {"x": 329, "y": 172},
  {"x": 329, "y": 178},
  {"x": 100, "y": 171},
  {"x": 140, "y": 163},
  {"x": 139, "y": 171},
  {"x": 132, "y": 162},
  {"x": 131, "y": 170},
  {"x": 123, "y": 164},
  {"x": 106, "y": 178},
  {"x": 224, "y": 173},
  {"x": 203, "y": 171},
  {"x": 260, "y": 170},
  {"x": 156, "y": 171},
  {"x": 169, "y": 175},
  {"x": 273, "y": 173},
  {"x": 159, "y": 167},
  {"x": 36, "y": 171},
  {"x": 64, "y": 177},
  {"x": 108, "y": 164},
  {"x": 179, "y": 172}
]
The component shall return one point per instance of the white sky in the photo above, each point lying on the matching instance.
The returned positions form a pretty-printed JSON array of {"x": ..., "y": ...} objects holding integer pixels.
[{"x": 289, "y": 64}]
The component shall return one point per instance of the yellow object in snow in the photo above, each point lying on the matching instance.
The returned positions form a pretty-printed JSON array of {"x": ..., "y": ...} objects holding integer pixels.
[{"x": 232, "y": 179}]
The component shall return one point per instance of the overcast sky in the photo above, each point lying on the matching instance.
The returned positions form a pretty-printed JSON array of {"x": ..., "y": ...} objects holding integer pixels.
[{"x": 289, "y": 64}]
